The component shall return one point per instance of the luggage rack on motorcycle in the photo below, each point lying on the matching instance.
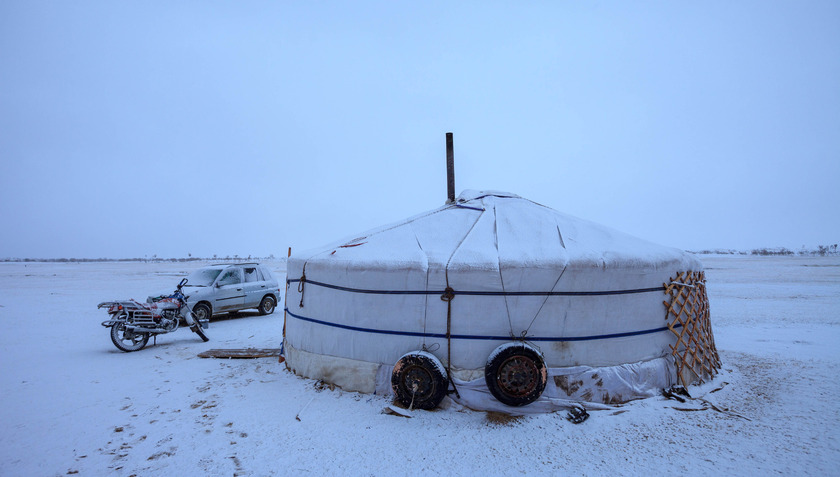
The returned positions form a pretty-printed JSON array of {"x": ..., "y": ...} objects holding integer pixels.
[
  {"x": 142, "y": 317},
  {"x": 138, "y": 313}
]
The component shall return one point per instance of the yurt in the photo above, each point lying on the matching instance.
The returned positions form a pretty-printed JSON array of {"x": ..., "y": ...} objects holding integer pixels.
[{"x": 499, "y": 303}]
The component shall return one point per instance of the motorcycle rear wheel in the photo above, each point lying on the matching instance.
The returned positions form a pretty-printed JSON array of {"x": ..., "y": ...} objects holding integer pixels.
[{"x": 127, "y": 340}]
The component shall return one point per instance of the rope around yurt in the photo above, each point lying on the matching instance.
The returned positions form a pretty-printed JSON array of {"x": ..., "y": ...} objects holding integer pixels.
[{"x": 688, "y": 318}]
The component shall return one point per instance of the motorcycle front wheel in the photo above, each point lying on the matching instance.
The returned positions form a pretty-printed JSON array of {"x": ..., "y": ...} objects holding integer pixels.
[
  {"x": 126, "y": 340},
  {"x": 200, "y": 332}
]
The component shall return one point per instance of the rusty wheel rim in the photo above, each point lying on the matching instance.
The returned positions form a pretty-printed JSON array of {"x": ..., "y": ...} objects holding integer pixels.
[
  {"x": 518, "y": 376},
  {"x": 419, "y": 381}
]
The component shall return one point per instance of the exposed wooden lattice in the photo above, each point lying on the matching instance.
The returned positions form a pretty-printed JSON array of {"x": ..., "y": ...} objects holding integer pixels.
[{"x": 688, "y": 318}]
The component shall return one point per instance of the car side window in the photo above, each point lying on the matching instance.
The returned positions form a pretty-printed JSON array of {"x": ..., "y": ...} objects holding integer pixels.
[
  {"x": 231, "y": 276},
  {"x": 252, "y": 274}
]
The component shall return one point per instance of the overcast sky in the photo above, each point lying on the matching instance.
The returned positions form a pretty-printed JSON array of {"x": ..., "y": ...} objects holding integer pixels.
[{"x": 131, "y": 129}]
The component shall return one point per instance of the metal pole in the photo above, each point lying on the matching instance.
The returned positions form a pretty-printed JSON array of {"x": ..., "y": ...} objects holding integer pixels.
[{"x": 450, "y": 170}]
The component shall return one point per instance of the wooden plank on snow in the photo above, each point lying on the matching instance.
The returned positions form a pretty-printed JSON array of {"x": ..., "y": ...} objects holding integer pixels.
[{"x": 242, "y": 353}]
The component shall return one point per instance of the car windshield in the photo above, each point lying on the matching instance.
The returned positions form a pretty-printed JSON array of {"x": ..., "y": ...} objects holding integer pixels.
[{"x": 203, "y": 277}]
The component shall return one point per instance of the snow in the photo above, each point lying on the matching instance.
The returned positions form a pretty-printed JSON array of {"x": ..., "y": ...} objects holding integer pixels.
[
  {"x": 71, "y": 402},
  {"x": 432, "y": 358},
  {"x": 511, "y": 345}
]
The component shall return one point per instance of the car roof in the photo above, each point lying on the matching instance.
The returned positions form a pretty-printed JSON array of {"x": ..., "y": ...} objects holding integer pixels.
[
  {"x": 230, "y": 264},
  {"x": 222, "y": 266}
]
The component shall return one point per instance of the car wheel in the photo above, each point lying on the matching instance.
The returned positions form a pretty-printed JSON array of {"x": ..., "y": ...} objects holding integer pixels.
[
  {"x": 267, "y": 305},
  {"x": 202, "y": 312},
  {"x": 419, "y": 380},
  {"x": 516, "y": 374}
]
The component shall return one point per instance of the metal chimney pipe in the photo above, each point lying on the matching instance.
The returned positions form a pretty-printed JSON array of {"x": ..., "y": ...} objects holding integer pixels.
[{"x": 450, "y": 170}]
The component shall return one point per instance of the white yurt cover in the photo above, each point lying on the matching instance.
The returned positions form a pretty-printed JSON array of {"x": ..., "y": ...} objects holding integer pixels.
[{"x": 588, "y": 297}]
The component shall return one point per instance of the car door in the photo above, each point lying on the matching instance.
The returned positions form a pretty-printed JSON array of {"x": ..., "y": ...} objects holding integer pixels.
[
  {"x": 255, "y": 286},
  {"x": 230, "y": 294}
]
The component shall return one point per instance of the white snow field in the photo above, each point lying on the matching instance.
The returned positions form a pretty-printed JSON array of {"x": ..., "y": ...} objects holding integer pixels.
[{"x": 71, "y": 403}]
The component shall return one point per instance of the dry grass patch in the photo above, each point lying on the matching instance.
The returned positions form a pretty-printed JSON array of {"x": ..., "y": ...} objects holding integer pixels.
[{"x": 501, "y": 419}]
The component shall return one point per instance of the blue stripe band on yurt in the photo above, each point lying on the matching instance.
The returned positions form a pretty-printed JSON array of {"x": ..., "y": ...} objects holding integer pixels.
[
  {"x": 479, "y": 337},
  {"x": 479, "y": 293}
]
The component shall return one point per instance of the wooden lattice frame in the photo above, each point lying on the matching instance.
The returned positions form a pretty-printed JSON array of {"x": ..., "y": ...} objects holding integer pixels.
[{"x": 694, "y": 352}]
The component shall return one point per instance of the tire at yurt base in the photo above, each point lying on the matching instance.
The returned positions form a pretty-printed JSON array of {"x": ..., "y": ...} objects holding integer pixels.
[
  {"x": 516, "y": 374},
  {"x": 419, "y": 380}
]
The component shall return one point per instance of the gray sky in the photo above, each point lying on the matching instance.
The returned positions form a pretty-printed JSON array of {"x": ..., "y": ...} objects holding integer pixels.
[{"x": 131, "y": 129}]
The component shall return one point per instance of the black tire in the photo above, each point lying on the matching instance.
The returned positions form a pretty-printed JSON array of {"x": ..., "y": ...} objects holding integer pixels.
[
  {"x": 419, "y": 381},
  {"x": 202, "y": 312},
  {"x": 126, "y": 340},
  {"x": 267, "y": 305},
  {"x": 516, "y": 374},
  {"x": 196, "y": 328}
]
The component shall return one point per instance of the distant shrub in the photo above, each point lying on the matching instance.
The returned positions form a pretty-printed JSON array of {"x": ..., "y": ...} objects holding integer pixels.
[{"x": 771, "y": 251}]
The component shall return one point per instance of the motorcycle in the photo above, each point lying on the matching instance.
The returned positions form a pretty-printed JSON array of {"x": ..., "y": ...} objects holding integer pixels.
[{"x": 132, "y": 322}]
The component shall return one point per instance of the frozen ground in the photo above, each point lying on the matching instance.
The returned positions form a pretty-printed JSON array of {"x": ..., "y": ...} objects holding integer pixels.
[{"x": 72, "y": 403}]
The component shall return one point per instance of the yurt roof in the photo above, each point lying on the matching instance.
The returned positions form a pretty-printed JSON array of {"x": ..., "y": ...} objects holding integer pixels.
[{"x": 493, "y": 229}]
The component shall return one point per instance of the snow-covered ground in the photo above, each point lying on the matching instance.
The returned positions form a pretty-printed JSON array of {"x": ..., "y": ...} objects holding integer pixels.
[{"x": 70, "y": 402}]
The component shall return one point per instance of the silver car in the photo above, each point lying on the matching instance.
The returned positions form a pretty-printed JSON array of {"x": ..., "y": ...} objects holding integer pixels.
[{"x": 231, "y": 287}]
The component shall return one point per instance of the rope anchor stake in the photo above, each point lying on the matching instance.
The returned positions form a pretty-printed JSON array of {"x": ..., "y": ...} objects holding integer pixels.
[{"x": 447, "y": 296}]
